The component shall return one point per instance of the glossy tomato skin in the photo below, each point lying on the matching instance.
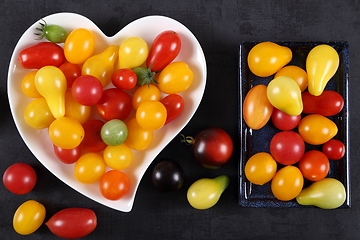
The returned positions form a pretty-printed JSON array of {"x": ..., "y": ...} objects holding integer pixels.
[
  {"x": 72, "y": 223},
  {"x": 287, "y": 147},
  {"x": 92, "y": 141},
  {"x": 287, "y": 183},
  {"x": 124, "y": 78},
  {"x": 314, "y": 165},
  {"x": 114, "y": 185},
  {"x": 334, "y": 149},
  {"x": 284, "y": 121},
  {"x": 213, "y": 148},
  {"x": 167, "y": 175},
  {"x": 328, "y": 103},
  {"x": 87, "y": 90},
  {"x": 174, "y": 105},
  {"x": 114, "y": 104},
  {"x": 79, "y": 45},
  {"x": 19, "y": 178},
  {"x": 71, "y": 71},
  {"x": 67, "y": 156},
  {"x": 164, "y": 49},
  {"x": 28, "y": 217},
  {"x": 42, "y": 54}
]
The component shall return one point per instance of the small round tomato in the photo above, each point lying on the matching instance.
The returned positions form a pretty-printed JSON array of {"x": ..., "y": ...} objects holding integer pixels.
[
  {"x": 37, "y": 114},
  {"x": 260, "y": 168},
  {"x": 314, "y": 165},
  {"x": 296, "y": 73},
  {"x": 175, "y": 78},
  {"x": 118, "y": 157},
  {"x": 114, "y": 132},
  {"x": 114, "y": 104},
  {"x": 19, "y": 178},
  {"x": 125, "y": 79},
  {"x": 287, "y": 147},
  {"x": 287, "y": 183},
  {"x": 29, "y": 216},
  {"x": 151, "y": 115},
  {"x": 334, "y": 149},
  {"x": 167, "y": 175},
  {"x": 114, "y": 185},
  {"x": 133, "y": 52},
  {"x": 71, "y": 71},
  {"x": 138, "y": 138},
  {"x": 28, "y": 85},
  {"x": 89, "y": 168},
  {"x": 79, "y": 45},
  {"x": 174, "y": 105},
  {"x": 284, "y": 121},
  {"x": 92, "y": 141},
  {"x": 76, "y": 110},
  {"x": 67, "y": 156},
  {"x": 145, "y": 93},
  {"x": 87, "y": 90},
  {"x": 66, "y": 132}
]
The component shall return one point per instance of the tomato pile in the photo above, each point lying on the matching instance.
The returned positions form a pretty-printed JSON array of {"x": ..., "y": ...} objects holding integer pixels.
[{"x": 297, "y": 103}]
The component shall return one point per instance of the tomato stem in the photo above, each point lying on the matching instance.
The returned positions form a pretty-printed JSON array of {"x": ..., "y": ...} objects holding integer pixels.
[{"x": 188, "y": 140}]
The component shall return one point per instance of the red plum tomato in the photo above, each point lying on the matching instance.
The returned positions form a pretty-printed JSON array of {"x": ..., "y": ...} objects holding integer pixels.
[
  {"x": 19, "y": 178},
  {"x": 174, "y": 105},
  {"x": 314, "y": 165},
  {"x": 287, "y": 147},
  {"x": 114, "y": 104},
  {"x": 92, "y": 141},
  {"x": 334, "y": 149},
  {"x": 328, "y": 103},
  {"x": 71, "y": 71},
  {"x": 284, "y": 121}
]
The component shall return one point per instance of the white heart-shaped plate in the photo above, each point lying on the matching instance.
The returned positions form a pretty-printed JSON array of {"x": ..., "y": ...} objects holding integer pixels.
[{"x": 147, "y": 28}]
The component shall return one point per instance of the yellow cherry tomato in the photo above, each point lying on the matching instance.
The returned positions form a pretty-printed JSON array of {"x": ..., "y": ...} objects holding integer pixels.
[
  {"x": 260, "y": 168},
  {"x": 138, "y": 138},
  {"x": 145, "y": 93},
  {"x": 89, "y": 168},
  {"x": 175, "y": 78},
  {"x": 75, "y": 110},
  {"x": 37, "y": 114},
  {"x": 266, "y": 58},
  {"x": 296, "y": 73},
  {"x": 151, "y": 115},
  {"x": 287, "y": 183},
  {"x": 29, "y": 217},
  {"x": 28, "y": 85},
  {"x": 133, "y": 52},
  {"x": 66, "y": 132},
  {"x": 118, "y": 157},
  {"x": 79, "y": 45},
  {"x": 317, "y": 129}
]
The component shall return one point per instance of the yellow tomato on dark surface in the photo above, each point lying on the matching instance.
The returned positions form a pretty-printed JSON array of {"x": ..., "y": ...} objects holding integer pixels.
[{"x": 287, "y": 183}]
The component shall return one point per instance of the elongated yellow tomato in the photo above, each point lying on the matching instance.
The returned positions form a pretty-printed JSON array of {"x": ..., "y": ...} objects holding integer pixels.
[
  {"x": 260, "y": 168},
  {"x": 51, "y": 84},
  {"x": 322, "y": 63},
  {"x": 66, "y": 132},
  {"x": 287, "y": 183},
  {"x": 118, "y": 157},
  {"x": 296, "y": 73},
  {"x": 89, "y": 168},
  {"x": 175, "y": 78},
  {"x": 79, "y": 45},
  {"x": 138, "y": 138},
  {"x": 133, "y": 52},
  {"x": 37, "y": 114},
  {"x": 75, "y": 110},
  {"x": 266, "y": 58},
  {"x": 284, "y": 94},
  {"x": 101, "y": 65},
  {"x": 28, "y": 85},
  {"x": 257, "y": 109},
  {"x": 316, "y": 129},
  {"x": 29, "y": 217}
]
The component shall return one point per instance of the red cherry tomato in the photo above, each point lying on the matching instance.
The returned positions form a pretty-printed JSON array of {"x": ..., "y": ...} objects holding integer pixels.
[
  {"x": 114, "y": 104},
  {"x": 71, "y": 71},
  {"x": 328, "y": 103},
  {"x": 67, "y": 156},
  {"x": 92, "y": 141},
  {"x": 124, "y": 78},
  {"x": 164, "y": 49},
  {"x": 87, "y": 90},
  {"x": 334, "y": 149},
  {"x": 42, "y": 54},
  {"x": 174, "y": 105},
  {"x": 284, "y": 121},
  {"x": 287, "y": 147},
  {"x": 71, "y": 223},
  {"x": 114, "y": 184},
  {"x": 19, "y": 178},
  {"x": 314, "y": 165}
]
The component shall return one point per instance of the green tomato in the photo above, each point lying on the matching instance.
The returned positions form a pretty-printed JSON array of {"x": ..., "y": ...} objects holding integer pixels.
[
  {"x": 53, "y": 33},
  {"x": 114, "y": 132}
]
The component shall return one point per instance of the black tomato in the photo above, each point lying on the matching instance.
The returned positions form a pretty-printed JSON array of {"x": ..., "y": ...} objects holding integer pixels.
[{"x": 167, "y": 175}]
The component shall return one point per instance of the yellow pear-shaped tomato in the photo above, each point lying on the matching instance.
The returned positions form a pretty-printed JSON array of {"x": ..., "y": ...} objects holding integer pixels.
[
  {"x": 257, "y": 109},
  {"x": 266, "y": 58},
  {"x": 296, "y": 73},
  {"x": 322, "y": 63},
  {"x": 284, "y": 94},
  {"x": 316, "y": 129}
]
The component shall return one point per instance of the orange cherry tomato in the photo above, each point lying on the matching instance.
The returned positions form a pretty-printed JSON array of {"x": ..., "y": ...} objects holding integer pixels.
[
  {"x": 296, "y": 73},
  {"x": 287, "y": 183}
]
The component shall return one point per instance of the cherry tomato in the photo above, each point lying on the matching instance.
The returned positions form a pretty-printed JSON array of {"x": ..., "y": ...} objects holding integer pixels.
[
  {"x": 151, "y": 115},
  {"x": 138, "y": 138},
  {"x": 92, "y": 141},
  {"x": 328, "y": 103},
  {"x": 79, "y": 45},
  {"x": 213, "y": 148},
  {"x": 118, "y": 157},
  {"x": 124, "y": 79},
  {"x": 71, "y": 71},
  {"x": 287, "y": 147},
  {"x": 145, "y": 93},
  {"x": 334, "y": 149},
  {"x": 174, "y": 105},
  {"x": 167, "y": 175},
  {"x": 66, "y": 132},
  {"x": 164, "y": 49},
  {"x": 114, "y": 132},
  {"x": 284, "y": 121},
  {"x": 175, "y": 78},
  {"x": 19, "y": 178},
  {"x": 53, "y": 33},
  {"x": 28, "y": 85},
  {"x": 114, "y": 184},
  {"x": 133, "y": 52},
  {"x": 316, "y": 129},
  {"x": 260, "y": 168},
  {"x": 114, "y": 104},
  {"x": 28, "y": 217},
  {"x": 67, "y": 156},
  {"x": 37, "y": 114},
  {"x": 296, "y": 73},
  {"x": 75, "y": 110},
  {"x": 89, "y": 168},
  {"x": 40, "y": 55},
  {"x": 287, "y": 183},
  {"x": 257, "y": 109},
  {"x": 72, "y": 223},
  {"x": 87, "y": 90},
  {"x": 314, "y": 165}
]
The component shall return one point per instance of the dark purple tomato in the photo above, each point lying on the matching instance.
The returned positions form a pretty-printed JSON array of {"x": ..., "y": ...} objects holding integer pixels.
[{"x": 167, "y": 175}]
